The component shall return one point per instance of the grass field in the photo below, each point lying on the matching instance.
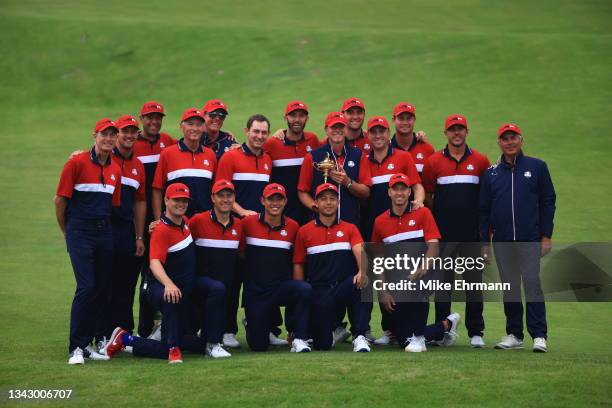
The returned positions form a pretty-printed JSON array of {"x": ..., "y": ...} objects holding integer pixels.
[{"x": 65, "y": 64}]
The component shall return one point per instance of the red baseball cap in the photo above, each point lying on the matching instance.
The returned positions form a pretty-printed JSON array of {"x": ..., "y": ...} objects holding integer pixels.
[
  {"x": 351, "y": 103},
  {"x": 177, "y": 190},
  {"x": 378, "y": 121},
  {"x": 222, "y": 184},
  {"x": 152, "y": 107},
  {"x": 404, "y": 107},
  {"x": 455, "y": 119},
  {"x": 324, "y": 187},
  {"x": 274, "y": 188},
  {"x": 509, "y": 127},
  {"x": 213, "y": 105},
  {"x": 295, "y": 105},
  {"x": 103, "y": 124},
  {"x": 192, "y": 113},
  {"x": 399, "y": 178},
  {"x": 333, "y": 118},
  {"x": 125, "y": 121}
]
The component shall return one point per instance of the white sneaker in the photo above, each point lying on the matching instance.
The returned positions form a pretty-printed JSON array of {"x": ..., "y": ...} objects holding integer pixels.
[
  {"x": 76, "y": 357},
  {"x": 299, "y": 346},
  {"x": 101, "y": 345},
  {"x": 454, "y": 318},
  {"x": 539, "y": 345},
  {"x": 91, "y": 354},
  {"x": 129, "y": 349},
  {"x": 477, "y": 342},
  {"x": 416, "y": 345},
  {"x": 509, "y": 342},
  {"x": 340, "y": 334},
  {"x": 360, "y": 345},
  {"x": 275, "y": 341},
  {"x": 216, "y": 351},
  {"x": 229, "y": 340},
  {"x": 156, "y": 333},
  {"x": 386, "y": 339}
]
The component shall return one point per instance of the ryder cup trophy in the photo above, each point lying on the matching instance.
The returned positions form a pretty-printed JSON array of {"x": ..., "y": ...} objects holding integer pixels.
[{"x": 325, "y": 166}]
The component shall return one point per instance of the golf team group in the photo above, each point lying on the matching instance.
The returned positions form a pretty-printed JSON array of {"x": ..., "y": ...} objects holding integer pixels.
[{"x": 210, "y": 225}]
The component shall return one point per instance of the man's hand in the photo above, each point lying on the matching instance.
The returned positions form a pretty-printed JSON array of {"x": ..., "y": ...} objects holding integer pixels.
[
  {"x": 75, "y": 153},
  {"x": 172, "y": 294},
  {"x": 140, "y": 248},
  {"x": 246, "y": 213},
  {"x": 387, "y": 301},
  {"x": 418, "y": 274},
  {"x": 230, "y": 136},
  {"x": 421, "y": 136},
  {"x": 152, "y": 225},
  {"x": 235, "y": 146},
  {"x": 360, "y": 280},
  {"x": 485, "y": 253},
  {"x": 339, "y": 176},
  {"x": 279, "y": 134},
  {"x": 416, "y": 204},
  {"x": 546, "y": 246}
]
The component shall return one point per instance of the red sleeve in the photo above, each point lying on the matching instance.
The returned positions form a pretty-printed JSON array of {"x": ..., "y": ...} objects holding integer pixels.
[
  {"x": 375, "y": 232},
  {"x": 225, "y": 169},
  {"x": 411, "y": 170},
  {"x": 67, "y": 179},
  {"x": 429, "y": 178},
  {"x": 299, "y": 251},
  {"x": 365, "y": 177},
  {"x": 159, "y": 245},
  {"x": 159, "y": 179},
  {"x": 140, "y": 192},
  {"x": 430, "y": 229},
  {"x": 269, "y": 145},
  {"x": 356, "y": 237},
  {"x": 305, "y": 180},
  {"x": 117, "y": 191}
]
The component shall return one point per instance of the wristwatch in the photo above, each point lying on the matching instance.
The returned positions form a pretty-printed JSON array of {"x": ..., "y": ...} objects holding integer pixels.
[
  {"x": 348, "y": 186},
  {"x": 138, "y": 238}
]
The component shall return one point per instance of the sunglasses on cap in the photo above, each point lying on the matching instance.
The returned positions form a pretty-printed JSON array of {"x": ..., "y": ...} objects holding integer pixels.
[{"x": 217, "y": 115}]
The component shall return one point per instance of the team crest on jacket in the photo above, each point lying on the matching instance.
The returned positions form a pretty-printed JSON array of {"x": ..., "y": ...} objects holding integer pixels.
[
  {"x": 134, "y": 172},
  {"x": 351, "y": 163},
  {"x": 206, "y": 163},
  {"x": 162, "y": 145},
  {"x": 366, "y": 147},
  {"x": 283, "y": 233},
  {"x": 234, "y": 233},
  {"x": 113, "y": 177},
  {"x": 411, "y": 223},
  {"x": 527, "y": 174},
  {"x": 470, "y": 167},
  {"x": 308, "y": 149},
  {"x": 390, "y": 166},
  {"x": 339, "y": 234},
  {"x": 419, "y": 156}
]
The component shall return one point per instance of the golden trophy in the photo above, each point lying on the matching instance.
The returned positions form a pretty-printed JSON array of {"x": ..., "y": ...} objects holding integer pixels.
[{"x": 325, "y": 166}]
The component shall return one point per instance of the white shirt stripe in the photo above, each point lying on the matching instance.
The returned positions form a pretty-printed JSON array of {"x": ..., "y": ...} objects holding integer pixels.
[
  {"x": 181, "y": 245},
  {"x": 403, "y": 236},
  {"x": 173, "y": 175},
  {"x": 217, "y": 243},
  {"x": 336, "y": 246},
  {"x": 130, "y": 182},
  {"x": 251, "y": 177},
  {"x": 288, "y": 162},
  {"x": 270, "y": 243},
  {"x": 153, "y": 158},
  {"x": 419, "y": 167},
  {"x": 458, "y": 179},
  {"x": 95, "y": 188},
  {"x": 381, "y": 179}
]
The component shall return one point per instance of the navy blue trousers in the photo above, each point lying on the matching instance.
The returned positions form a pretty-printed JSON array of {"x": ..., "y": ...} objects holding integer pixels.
[
  {"x": 209, "y": 299},
  {"x": 261, "y": 309},
  {"x": 521, "y": 262},
  {"x": 146, "y": 312},
  {"x": 473, "y": 318},
  {"x": 326, "y": 302},
  {"x": 90, "y": 246},
  {"x": 143, "y": 347}
]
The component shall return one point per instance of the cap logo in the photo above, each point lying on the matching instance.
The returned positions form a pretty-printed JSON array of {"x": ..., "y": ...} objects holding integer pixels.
[{"x": 158, "y": 107}]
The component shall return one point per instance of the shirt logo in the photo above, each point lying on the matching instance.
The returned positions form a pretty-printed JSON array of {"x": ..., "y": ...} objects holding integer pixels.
[
  {"x": 527, "y": 174},
  {"x": 113, "y": 177},
  {"x": 419, "y": 156},
  {"x": 186, "y": 226},
  {"x": 470, "y": 167},
  {"x": 351, "y": 163},
  {"x": 162, "y": 145},
  {"x": 390, "y": 166},
  {"x": 283, "y": 233},
  {"x": 411, "y": 223},
  {"x": 308, "y": 149},
  {"x": 226, "y": 149},
  {"x": 234, "y": 232},
  {"x": 206, "y": 163},
  {"x": 266, "y": 166},
  {"x": 134, "y": 172},
  {"x": 339, "y": 234},
  {"x": 366, "y": 146}
]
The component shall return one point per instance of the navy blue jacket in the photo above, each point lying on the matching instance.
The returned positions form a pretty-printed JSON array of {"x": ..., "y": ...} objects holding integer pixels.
[{"x": 517, "y": 202}]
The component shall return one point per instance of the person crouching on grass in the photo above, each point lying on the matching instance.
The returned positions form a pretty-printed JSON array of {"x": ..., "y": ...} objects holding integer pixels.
[{"x": 173, "y": 262}]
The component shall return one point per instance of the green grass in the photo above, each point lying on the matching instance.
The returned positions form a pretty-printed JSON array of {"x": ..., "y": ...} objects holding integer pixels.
[{"x": 65, "y": 64}]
